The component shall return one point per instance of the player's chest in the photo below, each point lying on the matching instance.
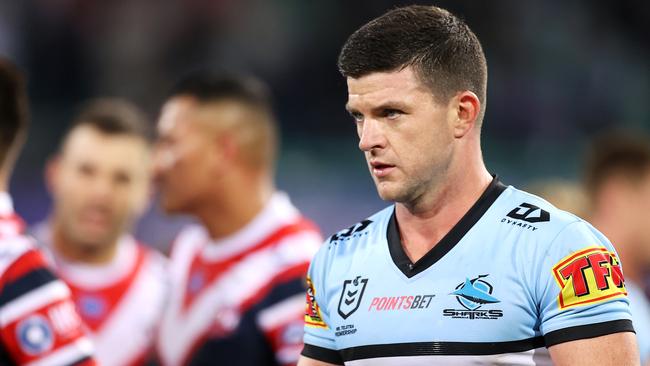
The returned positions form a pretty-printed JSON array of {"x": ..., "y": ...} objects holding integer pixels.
[
  {"x": 104, "y": 309},
  {"x": 375, "y": 303}
]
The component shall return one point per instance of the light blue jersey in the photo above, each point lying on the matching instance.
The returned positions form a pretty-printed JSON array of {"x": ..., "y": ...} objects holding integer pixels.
[{"x": 514, "y": 276}]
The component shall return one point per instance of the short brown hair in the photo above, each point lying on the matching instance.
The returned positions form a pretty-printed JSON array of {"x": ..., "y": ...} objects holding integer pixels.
[
  {"x": 113, "y": 116},
  {"x": 13, "y": 108},
  {"x": 443, "y": 51},
  {"x": 616, "y": 154}
]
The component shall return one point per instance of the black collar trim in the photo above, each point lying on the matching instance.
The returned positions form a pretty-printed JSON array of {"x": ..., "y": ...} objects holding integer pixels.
[{"x": 450, "y": 240}]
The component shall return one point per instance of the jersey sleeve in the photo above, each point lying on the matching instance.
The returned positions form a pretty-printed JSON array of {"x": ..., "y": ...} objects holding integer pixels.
[
  {"x": 319, "y": 336},
  {"x": 38, "y": 321},
  {"x": 280, "y": 318},
  {"x": 282, "y": 326},
  {"x": 581, "y": 289}
]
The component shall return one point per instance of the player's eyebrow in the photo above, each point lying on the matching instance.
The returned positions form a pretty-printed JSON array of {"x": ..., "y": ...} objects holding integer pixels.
[
  {"x": 389, "y": 105},
  {"x": 380, "y": 108}
]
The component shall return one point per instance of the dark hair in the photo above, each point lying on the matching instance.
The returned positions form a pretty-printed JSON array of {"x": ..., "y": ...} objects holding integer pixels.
[
  {"x": 616, "y": 154},
  {"x": 443, "y": 51},
  {"x": 208, "y": 86},
  {"x": 13, "y": 108},
  {"x": 114, "y": 116},
  {"x": 260, "y": 145}
]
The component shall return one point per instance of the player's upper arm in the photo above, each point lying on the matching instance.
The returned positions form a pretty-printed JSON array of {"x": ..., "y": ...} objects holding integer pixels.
[
  {"x": 304, "y": 361},
  {"x": 319, "y": 337},
  {"x": 580, "y": 289},
  {"x": 38, "y": 321},
  {"x": 613, "y": 349}
]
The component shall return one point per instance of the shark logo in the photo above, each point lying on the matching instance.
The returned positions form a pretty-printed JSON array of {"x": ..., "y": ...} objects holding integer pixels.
[{"x": 474, "y": 293}]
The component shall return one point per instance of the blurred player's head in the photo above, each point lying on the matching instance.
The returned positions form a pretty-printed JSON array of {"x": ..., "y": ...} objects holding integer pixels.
[
  {"x": 13, "y": 118},
  {"x": 101, "y": 177},
  {"x": 617, "y": 179},
  {"x": 417, "y": 80},
  {"x": 217, "y": 135}
]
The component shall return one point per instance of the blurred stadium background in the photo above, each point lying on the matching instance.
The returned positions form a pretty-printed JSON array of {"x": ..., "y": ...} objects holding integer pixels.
[{"x": 560, "y": 72}]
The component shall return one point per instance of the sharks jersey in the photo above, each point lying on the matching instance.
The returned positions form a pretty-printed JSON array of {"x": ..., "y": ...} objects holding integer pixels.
[{"x": 514, "y": 276}]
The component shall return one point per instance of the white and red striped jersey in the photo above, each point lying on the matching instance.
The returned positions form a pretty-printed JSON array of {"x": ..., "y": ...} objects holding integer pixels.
[
  {"x": 239, "y": 300},
  {"x": 120, "y": 302},
  {"x": 38, "y": 322}
]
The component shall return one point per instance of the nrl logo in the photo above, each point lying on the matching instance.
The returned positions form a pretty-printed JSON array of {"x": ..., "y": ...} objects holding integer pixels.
[{"x": 351, "y": 296}]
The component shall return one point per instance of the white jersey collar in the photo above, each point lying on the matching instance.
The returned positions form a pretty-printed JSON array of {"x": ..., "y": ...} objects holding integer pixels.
[
  {"x": 97, "y": 276},
  {"x": 88, "y": 275},
  {"x": 277, "y": 212},
  {"x": 6, "y": 204}
]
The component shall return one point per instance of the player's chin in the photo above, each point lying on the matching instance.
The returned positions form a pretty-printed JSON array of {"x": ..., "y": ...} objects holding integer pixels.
[
  {"x": 172, "y": 205},
  {"x": 388, "y": 191},
  {"x": 91, "y": 238}
]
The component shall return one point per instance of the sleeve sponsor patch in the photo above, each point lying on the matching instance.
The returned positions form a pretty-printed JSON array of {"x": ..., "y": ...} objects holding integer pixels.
[
  {"x": 589, "y": 276},
  {"x": 313, "y": 316}
]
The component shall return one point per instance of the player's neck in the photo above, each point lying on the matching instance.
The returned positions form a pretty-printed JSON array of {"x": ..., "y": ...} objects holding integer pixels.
[
  {"x": 80, "y": 253},
  {"x": 4, "y": 179},
  {"x": 237, "y": 207},
  {"x": 424, "y": 224}
]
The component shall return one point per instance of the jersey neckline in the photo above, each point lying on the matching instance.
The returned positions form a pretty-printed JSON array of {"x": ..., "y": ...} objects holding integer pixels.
[{"x": 449, "y": 241}]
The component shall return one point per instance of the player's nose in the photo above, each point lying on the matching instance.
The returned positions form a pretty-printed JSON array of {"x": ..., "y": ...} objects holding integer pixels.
[
  {"x": 160, "y": 163},
  {"x": 371, "y": 135}
]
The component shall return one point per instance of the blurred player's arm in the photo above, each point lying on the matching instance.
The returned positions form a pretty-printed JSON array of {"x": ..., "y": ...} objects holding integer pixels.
[
  {"x": 613, "y": 349},
  {"x": 38, "y": 320}
]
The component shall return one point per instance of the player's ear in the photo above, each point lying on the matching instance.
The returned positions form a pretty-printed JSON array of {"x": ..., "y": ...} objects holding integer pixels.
[
  {"x": 144, "y": 192},
  {"x": 466, "y": 108},
  {"x": 227, "y": 148}
]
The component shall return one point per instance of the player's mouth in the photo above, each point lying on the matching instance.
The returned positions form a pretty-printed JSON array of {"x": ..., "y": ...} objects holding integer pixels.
[
  {"x": 95, "y": 216},
  {"x": 381, "y": 169}
]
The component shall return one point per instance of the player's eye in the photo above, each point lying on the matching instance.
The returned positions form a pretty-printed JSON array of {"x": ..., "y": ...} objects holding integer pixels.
[
  {"x": 391, "y": 113},
  {"x": 86, "y": 170},
  {"x": 358, "y": 117},
  {"x": 122, "y": 178}
]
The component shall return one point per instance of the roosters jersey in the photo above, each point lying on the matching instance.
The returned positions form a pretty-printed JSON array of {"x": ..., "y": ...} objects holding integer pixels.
[
  {"x": 120, "y": 302},
  {"x": 240, "y": 300},
  {"x": 38, "y": 322},
  {"x": 514, "y": 276}
]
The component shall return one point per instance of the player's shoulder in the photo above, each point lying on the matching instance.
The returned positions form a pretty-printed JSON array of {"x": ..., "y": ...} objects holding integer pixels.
[
  {"x": 519, "y": 206},
  {"x": 347, "y": 241},
  {"x": 12, "y": 248},
  {"x": 294, "y": 241},
  {"x": 363, "y": 229},
  {"x": 155, "y": 260},
  {"x": 524, "y": 211},
  {"x": 187, "y": 240}
]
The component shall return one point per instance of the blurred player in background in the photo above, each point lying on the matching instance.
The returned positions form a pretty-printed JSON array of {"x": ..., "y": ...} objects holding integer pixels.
[
  {"x": 563, "y": 194},
  {"x": 238, "y": 292},
  {"x": 38, "y": 323},
  {"x": 99, "y": 182},
  {"x": 617, "y": 179}
]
